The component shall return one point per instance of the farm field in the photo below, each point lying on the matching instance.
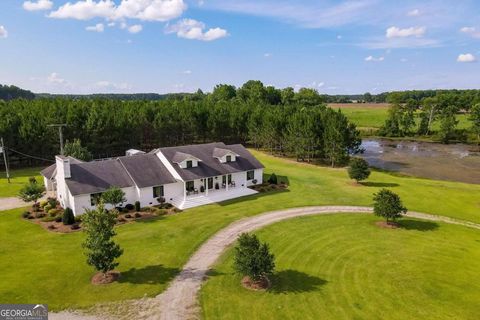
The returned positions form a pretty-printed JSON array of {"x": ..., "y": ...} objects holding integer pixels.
[
  {"x": 373, "y": 115},
  {"x": 345, "y": 267},
  {"x": 37, "y": 265}
]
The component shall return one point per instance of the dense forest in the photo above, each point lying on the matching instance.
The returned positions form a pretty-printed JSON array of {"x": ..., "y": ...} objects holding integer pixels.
[
  {"x": 282, "y": 121},
  {"x": 12, "y": 92}
]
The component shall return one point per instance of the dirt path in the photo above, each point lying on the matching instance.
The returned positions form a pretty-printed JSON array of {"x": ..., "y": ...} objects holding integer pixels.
[{"x": 179, "y": 301}]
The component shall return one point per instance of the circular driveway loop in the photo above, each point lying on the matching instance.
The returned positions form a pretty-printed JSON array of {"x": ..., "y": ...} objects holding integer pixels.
[{"x": 179, "y": 301}]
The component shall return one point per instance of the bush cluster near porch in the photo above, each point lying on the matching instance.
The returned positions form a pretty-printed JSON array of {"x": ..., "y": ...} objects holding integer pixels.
[
  {"x": 51, "y": 268},
  {"x": 345, "y": 267}
]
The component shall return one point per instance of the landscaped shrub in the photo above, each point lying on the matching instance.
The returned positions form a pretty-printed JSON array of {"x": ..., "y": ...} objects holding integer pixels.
[
  {"x": 202, "y": 189},
  {"x": 129, "y": 206},
  {"x": 52, "y": 201},
  {"x": 161, "y": 212},
  {"x": 58, "y": 219},
  {"x": 273, "y": 179},
  {"x": 138, "y": 215},
  {"x": 26, "y": 214},
  {"x": 32, "y": 180},
  {"x": 166, "y": 205},
  {"x": 68, "y": 217},
  {"x": 53, "y": 212},
  {"x": 78, "y": 219},
  {"x": 137, "y": 206},
  {"x": 40, "y": 215},
  {"x": 49, "y": 218},
  {"x": 47, "y": 207},
  {"x": 43, "y": 203}
]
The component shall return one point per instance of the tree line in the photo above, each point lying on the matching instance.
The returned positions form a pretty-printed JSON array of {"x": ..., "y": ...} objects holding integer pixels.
[
  {"x": 281, "y": 121},
  {"x": 414, "y": 112}
]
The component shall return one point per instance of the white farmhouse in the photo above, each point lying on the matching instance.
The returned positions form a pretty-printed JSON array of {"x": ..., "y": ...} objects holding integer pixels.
[{"x": 186, "y": 176}]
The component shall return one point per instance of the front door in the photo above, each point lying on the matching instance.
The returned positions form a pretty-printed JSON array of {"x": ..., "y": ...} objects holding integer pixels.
[{"x": 210, "y": 183}]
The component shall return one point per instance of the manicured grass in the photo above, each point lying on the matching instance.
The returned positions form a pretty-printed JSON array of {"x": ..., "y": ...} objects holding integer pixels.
[
  {"x": 42, "y": 267},
  {"x": 345, "y": 267},
  {"x": 18, "y": 178}
]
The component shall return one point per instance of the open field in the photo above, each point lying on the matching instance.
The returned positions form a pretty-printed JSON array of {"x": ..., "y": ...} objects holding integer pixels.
[
  {"x": 373, "y": 115},
  {"x": 38, "y": 266},
  {"x": 345, "y": 267},
  {"x": 18, "y": 178}
]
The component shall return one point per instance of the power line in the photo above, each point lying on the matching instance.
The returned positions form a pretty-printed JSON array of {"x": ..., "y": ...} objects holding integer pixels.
[{"x": 30, "y": 156}]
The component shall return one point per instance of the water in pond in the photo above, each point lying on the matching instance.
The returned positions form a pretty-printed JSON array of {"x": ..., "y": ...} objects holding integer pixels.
[{"x": 456, "y": 162}]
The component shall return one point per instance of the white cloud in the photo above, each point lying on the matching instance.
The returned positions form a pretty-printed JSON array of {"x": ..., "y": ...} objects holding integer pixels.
[
  {"x": 136, "y": 28},
  {"x": 339, "y": 37},
  {"x": 149, "y": 10},
  {"x": 107, "y": 85},
  {"x": 395, "y": 32},
  {"x": 267, "y": 55},
  {"x": 466, "y": 57},
  {"x": 413, "y": 13},
  {"x": 55, "y": 79},
  {"x": 187, "y": 72},
  {"x": 373, "y": 59},
  {"x": 195, "y": 30},
  {"x": 38, "y": 5},
  {"x": 99, "y": 27},
  {"x": 403, "y": 60},
  {"x": 472, "y": 31},
  {"x": 85, "y": 10},
  {"x": 3, "y": 32}
]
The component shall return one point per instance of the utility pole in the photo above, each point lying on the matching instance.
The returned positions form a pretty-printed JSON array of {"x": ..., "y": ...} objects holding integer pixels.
[
  {"x": 2, "y": 149},
  {"x": 60, "y": 134}
]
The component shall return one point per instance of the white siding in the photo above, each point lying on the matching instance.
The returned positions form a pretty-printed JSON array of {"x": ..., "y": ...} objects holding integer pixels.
[{"x": 170, "y": 191}]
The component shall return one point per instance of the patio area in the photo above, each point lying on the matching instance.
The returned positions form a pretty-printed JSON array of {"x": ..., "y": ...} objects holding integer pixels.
[{"x": 214, "y": 196}]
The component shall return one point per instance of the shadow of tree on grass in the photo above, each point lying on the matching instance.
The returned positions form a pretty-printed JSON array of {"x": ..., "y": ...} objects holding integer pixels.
[
  {"x": 294, "y": 281},
  {"x": 149, "y": 275},
  {"x": 379, "y": 184},
  {"x": 419, "y": 225}
]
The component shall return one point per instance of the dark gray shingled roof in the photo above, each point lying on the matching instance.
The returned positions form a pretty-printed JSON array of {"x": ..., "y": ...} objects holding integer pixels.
[
  {"x": 181, "y": 156},
  {"x": 147, "y": 170},
  {"x": 97, "y": 176},
  {"x": 220, "y": 152},
  {"x": 49, "y": 171},
  {"x": 210, "y": 165}
]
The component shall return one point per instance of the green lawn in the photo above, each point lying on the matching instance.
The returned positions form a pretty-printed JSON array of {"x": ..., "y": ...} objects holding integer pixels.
[
  {"x": 42, "y": 267},
  {"x": 18, "y": 178},
  {"x": 345, "y": 267}
]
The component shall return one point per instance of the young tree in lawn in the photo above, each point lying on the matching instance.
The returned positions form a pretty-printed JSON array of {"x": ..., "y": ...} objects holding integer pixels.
[
  {"x": 358, "y": 169},
  {"x": 31, "y": 192},
  {"x": 475, "y": 118},
  {"x": 114, "y": 196},
  {"x": 100, "y": 249},
  {"x": 388, "y": 204},
  {"x": 76, "y": 150},
  {"x": 252, "y": 258}
]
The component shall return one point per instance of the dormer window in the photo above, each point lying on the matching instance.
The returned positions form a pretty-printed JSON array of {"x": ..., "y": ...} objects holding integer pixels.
[
  {"x": 228, "y": 158},
  {"x": 189, "y": 163}
]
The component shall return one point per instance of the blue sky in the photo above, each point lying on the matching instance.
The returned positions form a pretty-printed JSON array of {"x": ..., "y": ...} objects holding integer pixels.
[{"x": 336, "y": 47}]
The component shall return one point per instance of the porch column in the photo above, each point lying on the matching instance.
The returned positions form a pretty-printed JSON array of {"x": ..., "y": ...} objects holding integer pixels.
[
  {"x": 184, "y": 190},
  {"x": 206, "y": 186},
  {"x": 226, "y": 182}
]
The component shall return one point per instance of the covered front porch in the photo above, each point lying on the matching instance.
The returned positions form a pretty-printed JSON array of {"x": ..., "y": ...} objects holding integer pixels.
[{"x": 213, "y": 196}]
